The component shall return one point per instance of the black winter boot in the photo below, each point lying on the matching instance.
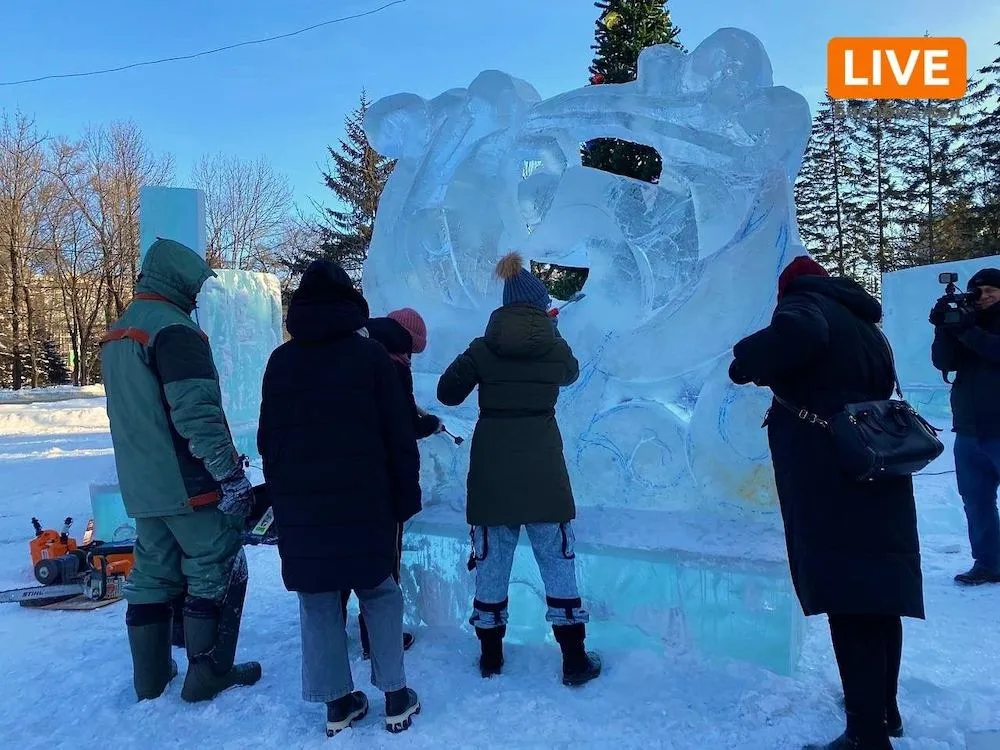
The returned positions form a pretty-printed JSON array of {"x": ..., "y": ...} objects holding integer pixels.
[
  {"x": 491, "y": 643},
  {"x": 848, "y": 741},
  {"x": 149, "y": 640},
  {"x": 977, "y": 575},
  {"x": 211, "y": 632},
  {"x": 400, "y": 708},
  {"x": 342, "y": 713},
  {"x": 579, "y": 665},
  {"x": 893, "y": 719}
]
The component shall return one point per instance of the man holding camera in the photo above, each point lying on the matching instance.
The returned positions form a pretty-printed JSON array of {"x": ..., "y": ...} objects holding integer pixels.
[{"x": 967, "y": 342}]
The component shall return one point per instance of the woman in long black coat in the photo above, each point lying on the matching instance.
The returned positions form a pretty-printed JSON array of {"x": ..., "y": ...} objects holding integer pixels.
[{"x": 853, "y": 549}]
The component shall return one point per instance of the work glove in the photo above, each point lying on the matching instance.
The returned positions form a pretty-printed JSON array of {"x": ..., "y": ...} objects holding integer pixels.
[
  {"x": 237, "y": 494},
  {"x": 737, "y": 375}
]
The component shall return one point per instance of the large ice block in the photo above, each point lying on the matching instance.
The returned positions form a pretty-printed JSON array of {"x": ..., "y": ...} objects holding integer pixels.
[
  {"x": 241, "y": 313},
  {"x": 907, "y": 298},
  {"x": 722, "y": 604},
  {"x": 171, "y": 213},
  {"x": 679, "y": 270}
]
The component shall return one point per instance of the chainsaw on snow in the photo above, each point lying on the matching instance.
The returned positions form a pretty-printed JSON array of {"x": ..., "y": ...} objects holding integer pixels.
[{"x": 95, "y": 570}]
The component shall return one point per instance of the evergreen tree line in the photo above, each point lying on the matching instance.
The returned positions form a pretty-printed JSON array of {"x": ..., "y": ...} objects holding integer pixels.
[{"x": 891, "y": 184}]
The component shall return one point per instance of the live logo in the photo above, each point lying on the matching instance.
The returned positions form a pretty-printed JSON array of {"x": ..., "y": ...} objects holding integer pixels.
[{"x": 897, "y": 67}]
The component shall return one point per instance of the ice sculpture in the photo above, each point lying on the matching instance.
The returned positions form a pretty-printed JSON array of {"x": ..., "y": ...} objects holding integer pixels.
[
  {"x": 679, "y": 271},
  {"x": 240, "y": 311}
]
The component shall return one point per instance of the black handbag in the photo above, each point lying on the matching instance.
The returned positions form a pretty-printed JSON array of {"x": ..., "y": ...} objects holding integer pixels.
[{"x": 878, "y": 439}]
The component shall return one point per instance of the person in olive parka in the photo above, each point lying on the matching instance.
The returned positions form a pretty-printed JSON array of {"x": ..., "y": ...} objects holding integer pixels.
[
  {"x": 517, "y": 475},
  {"x": 853, "y": 549}
]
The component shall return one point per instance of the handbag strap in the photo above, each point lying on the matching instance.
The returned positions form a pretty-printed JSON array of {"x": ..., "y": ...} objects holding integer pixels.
[
  {"x": 803, "y": 414},
  {"x": 892, "y": 361}
]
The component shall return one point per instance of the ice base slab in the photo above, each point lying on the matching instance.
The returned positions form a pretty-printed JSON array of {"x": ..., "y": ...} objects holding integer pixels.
[{"x": 720, "y": 607}]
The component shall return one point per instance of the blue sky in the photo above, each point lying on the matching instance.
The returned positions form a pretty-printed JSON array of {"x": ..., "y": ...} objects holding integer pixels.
[{"x": 287, "y": 99}]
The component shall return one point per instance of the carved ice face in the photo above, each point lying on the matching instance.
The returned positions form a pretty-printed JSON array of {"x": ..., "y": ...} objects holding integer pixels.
[{"x": 493, "y": 167}]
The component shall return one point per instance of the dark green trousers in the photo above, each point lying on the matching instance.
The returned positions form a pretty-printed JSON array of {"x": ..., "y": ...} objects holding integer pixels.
[{"x": 190, "y": 552}]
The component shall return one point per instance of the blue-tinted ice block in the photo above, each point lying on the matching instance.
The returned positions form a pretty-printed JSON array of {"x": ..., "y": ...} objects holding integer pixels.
[
  {"x": 730, "y": 608},
  {"x": 174, "y": 214},
  {"x": 240, "y": 311}
]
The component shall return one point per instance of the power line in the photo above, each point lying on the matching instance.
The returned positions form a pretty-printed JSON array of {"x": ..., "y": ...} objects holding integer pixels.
[{"x": 204, "y": 53}]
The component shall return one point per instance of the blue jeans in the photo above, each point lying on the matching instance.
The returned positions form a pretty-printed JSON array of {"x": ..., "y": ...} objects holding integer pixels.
[
  {"x": 552, "y": 544},
  {"x": 977, "y": 466},
  {"x": 326, "y": 667}
]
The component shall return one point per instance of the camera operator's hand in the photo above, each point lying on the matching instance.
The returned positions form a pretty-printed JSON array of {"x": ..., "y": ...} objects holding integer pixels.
[{"x": 936, "y": 318}]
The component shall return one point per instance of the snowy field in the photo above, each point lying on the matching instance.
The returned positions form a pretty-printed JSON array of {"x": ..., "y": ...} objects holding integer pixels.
[{"x": 66, "y": 676}]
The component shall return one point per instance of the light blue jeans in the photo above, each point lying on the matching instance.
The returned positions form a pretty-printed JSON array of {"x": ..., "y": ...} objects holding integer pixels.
[
  {"x": 552, "y": 543},
  {"x": 326, "y": 667}
]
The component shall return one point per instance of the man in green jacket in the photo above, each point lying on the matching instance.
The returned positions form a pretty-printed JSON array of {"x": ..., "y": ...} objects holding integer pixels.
[{"x": 181, "y": 479}]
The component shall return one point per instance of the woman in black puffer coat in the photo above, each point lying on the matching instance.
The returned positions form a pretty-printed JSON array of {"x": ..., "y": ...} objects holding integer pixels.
[
  {"x": 342, "y": 472},
  {"x": 853, "y": 549}
]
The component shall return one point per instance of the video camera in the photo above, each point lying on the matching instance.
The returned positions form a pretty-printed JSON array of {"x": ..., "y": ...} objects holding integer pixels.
[{"x": 954, "y": 308}]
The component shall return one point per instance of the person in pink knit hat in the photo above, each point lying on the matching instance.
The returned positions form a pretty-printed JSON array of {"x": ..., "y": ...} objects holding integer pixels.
[{"x": 402, "y": 333}]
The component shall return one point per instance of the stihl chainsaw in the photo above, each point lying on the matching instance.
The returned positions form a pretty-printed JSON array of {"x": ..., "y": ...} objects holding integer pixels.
[{"x": 94, "y": 570}]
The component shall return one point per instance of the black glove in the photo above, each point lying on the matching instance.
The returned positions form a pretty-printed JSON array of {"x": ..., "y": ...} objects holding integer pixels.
[
  {"x": 237, "y": 494},
  {"x": 737, "y": 375}
]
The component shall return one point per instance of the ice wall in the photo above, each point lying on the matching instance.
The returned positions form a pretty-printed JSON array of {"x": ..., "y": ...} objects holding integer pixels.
[
  {"x": 240, "y": 311},
  {"x": 907, "y": 298},
  {"x": 679, "y": 270}
]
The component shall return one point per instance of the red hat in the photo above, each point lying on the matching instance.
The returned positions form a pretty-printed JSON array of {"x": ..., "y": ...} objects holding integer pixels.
[
  {"x": 410, "y": 320},
  {"x": 801, "y": 266}
]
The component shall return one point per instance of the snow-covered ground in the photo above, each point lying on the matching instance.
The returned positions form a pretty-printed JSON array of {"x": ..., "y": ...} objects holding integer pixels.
[{"x": 66, "y": 676}]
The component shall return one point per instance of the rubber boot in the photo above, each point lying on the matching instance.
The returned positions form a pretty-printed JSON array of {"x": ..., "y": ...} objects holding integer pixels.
[
  {"x": 149, "y": 640},
  {"x": 579, "y": 665},
  {"x": 211, "y": 632},
  {"x": 491, "y": 643},
  {"x": 177, "y": 633}
]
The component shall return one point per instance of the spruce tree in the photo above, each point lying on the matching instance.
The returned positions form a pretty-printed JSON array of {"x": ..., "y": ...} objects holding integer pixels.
[
  {"x": 55, "y": 370},
  {"x": 878, "y": 134},
  {"x": 933, "y": 176},
  {"x": 624, "y": 29},
  {"x": 983, "y": 135},
  {"x": 827, "y": 210},
  {"x": 357, "y": 177}
]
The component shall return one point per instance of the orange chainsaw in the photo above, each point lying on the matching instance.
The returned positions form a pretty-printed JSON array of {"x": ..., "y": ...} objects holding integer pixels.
[{"x": 95, "y": 570}]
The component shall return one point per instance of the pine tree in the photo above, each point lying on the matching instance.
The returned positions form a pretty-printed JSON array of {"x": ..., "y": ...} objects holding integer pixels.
[
  {"x": 933, "y": 176},
  {"x": 878, "y": 135},
  {"x": 983, "y": 135},
  {"x": 55, "y": 370},
  {"x": 624, "y": 29},
  {"x": 357, "y": 177},
  {"x": 828, "y": 214}
]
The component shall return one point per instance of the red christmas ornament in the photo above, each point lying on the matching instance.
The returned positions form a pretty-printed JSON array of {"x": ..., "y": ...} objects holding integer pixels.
[{"x": 597, "y": 79}]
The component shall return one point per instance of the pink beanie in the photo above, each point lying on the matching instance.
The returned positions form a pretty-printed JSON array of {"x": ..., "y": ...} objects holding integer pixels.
[{"x": 410, "y": 320}]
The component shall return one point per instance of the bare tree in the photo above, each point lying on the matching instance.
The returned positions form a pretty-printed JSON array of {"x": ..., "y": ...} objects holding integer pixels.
[
  {"x": 102, "y": 175},
  {"x": 247, "y": 210},
  {"x": 24, "y": 191},
  {"x": 75, "y": 263}
]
